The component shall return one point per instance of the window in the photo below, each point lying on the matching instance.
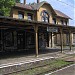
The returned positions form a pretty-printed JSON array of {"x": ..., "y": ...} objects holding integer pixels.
[
  {"x": 9, "y": 39},
  {"x": 20, "y": 15},
  {"x": 45, "y": 16},
  {"x": 46, "y": 19},
  {"x": 61, "y": 21},
  {"x": 54, "y": 20},
  {"x": 30, "y": 16},
  {"x": 65, "y": 22}
]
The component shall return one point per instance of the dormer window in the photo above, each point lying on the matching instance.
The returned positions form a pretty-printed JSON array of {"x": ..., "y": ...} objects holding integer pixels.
[
  {"x": 44, "y": 16},
  {"x": 54, "y": 20},
  {"x": 30, "y": 16},
  {"x": 21, "y": 15}
]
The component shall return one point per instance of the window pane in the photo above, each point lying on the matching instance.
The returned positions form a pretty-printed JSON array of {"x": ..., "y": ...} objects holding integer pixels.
[
  {"x": 44, "y": 14},
  {"x": 20, "y": 15},
  {"x": 42, "y": 19},
  {"x": 65, "y": 22},
  {"x": 61, "y": 21},
  {"x": 54, "y": 20},
  {"x": 46, "y": 19},
  {"x": 30, "y": 16}
]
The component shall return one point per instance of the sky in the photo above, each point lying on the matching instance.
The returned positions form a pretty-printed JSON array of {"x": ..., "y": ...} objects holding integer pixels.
[{"x": 65, "y": 6}]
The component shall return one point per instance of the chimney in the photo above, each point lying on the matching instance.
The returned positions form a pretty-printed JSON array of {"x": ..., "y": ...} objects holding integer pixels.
[
  {"x": 24, "y": 1},
  {"x": 38, "y": 1}
]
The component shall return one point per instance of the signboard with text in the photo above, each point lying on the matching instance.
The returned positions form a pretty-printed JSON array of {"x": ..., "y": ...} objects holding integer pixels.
[{"x": 52, "y": 29}]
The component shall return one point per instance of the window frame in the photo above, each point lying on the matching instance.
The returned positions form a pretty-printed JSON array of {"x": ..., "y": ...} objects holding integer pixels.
[
  {"x": 66, "y": 22},
  {"x": 30, "y": 15},
  {"x": 44, "y": 16},
  {"x": 20, "y": 15},
  {"x": 54, "y": 20},
  {"x": 62, "y": 22},
  {"x": 9, "y": 39}
]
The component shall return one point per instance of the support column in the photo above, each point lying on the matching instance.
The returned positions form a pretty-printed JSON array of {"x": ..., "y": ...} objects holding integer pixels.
[
  {"x": 56, "y": 39},
  {"x": 51, "y": 41},
  {"x": 36, "y": 40},
  {"x": 61, "y": 40},
  {"x": 48, "y": 39},
  {"x": 70, "y": 40}
]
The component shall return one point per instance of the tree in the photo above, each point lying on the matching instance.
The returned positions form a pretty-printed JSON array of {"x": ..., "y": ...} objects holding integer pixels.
[{"x": 5, "y": 6}]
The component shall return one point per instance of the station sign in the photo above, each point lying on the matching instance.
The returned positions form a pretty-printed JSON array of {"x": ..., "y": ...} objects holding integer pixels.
[{"x": 52, "y": 29}]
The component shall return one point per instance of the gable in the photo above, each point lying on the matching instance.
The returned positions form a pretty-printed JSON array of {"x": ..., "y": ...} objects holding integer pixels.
[
  {"x": 47, "y": 8},
  {"x": 42, "y": 4}
]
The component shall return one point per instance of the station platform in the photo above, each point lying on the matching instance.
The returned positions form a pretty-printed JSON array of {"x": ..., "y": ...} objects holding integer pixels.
[{"x": 23, "y": 62}]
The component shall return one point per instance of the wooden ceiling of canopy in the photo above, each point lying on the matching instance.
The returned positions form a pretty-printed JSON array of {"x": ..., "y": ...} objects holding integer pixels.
[{"x": 7, "y": 22}]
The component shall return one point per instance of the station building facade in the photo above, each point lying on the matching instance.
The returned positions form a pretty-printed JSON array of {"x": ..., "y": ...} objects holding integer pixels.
[{"x": 40, "y": 13}]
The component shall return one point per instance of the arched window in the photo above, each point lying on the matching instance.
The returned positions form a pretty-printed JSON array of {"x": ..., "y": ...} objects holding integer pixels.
[{"x": 45, "y": 16}]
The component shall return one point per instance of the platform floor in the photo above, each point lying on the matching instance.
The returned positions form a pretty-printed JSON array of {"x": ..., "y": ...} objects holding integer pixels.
[{"x": 16, "y": 57}]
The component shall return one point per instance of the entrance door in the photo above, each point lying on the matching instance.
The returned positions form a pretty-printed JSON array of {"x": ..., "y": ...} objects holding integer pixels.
[{"x": 20, "y": 40}]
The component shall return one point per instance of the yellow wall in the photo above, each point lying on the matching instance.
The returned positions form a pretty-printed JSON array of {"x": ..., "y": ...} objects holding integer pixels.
[
  {"x": 48, "y": 9},
  {"x": 37, "y": 16},
  {"x": 58, "y": 20},
  {"x": 15, "y": 14}
]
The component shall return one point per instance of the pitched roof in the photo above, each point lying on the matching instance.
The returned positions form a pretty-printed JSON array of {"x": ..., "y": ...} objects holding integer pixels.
[
  {"x": 23, "y": 6},
  {"x": 36, "y": 6},
  {"x": 33, "y": 6},
  {"x": 60, "y": 14}
]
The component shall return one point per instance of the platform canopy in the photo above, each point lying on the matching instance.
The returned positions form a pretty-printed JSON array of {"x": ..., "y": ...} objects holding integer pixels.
[{"x": 8, "y": 22}]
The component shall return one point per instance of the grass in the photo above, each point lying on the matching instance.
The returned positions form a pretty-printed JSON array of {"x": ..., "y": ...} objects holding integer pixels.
[{"x": 51, "y": 66}]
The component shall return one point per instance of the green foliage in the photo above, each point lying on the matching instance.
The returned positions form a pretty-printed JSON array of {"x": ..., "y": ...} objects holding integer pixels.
[{"x": 5, "y": 6}]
